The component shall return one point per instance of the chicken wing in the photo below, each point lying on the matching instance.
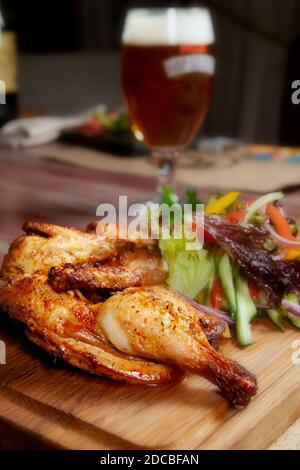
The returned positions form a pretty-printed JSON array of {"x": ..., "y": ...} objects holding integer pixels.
[
  {"x": 92, "y": 277},
  {"x": 159, "y": 324},
  {"x": 48, "y": 245}
]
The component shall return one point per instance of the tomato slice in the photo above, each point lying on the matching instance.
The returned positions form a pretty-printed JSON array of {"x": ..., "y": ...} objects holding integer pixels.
[
  {"x": 208, "y": 238},
  {"x": 235, "y": 216},
  {"x": 254, "y": 289},
  {"x": 217, "y": 295}
]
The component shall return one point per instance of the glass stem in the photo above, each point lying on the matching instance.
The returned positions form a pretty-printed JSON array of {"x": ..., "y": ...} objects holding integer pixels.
[{"x": 166, "y": 161}]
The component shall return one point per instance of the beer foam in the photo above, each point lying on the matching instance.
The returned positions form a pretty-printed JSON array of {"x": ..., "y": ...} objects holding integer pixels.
[{"x": 171, "y": 26}]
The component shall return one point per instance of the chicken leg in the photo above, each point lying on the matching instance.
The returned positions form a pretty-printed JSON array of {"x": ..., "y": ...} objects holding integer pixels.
[{"x": 158, "y": 324}]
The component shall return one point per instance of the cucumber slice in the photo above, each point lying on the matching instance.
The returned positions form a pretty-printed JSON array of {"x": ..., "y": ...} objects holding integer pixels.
[
  {"x": 243, "y": 327},
  {"x": 295, "y": 321},
  {"x": 277, "y": 318},
  {"x": 226, "y": 277},
  {"x": 252, "y": 312}
]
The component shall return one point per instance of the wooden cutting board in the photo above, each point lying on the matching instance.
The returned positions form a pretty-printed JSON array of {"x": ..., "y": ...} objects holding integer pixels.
[
  {"x": 53, "y": 405},
  {"x": 46, "y": 406}
]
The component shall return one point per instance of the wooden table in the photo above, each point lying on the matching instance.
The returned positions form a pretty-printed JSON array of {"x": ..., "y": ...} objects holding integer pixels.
[{"x": 40, "y": 189}]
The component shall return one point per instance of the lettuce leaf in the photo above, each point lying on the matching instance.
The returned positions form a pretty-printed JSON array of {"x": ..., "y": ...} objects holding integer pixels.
[{"x": 189, "y": 271}]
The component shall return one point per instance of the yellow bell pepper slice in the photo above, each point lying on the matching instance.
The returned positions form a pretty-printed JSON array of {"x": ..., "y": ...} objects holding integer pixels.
[
  {"x": 226, "y": 332},
  {"x": 222, "y": 203},
  {"x": 292, "y": 253},
  {"x": 200, "y": 297}
]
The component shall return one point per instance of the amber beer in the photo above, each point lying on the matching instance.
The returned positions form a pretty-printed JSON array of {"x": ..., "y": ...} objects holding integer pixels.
[
  {"x": 167, "y": 108},
  {"x": 167, "y": 87}
]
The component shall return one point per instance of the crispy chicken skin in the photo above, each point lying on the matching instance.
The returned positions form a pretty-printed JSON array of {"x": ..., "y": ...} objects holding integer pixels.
[
  {"x": 138, "y": 254},
  {"x": 147, "y": 264},
  {"x": 66, "y": 325},
  {"x": 113, "y": 232},
  {"x": 148, "y": 334},
  {"x": 63, "y": 323},
  {"x": 157, "y": 323},
  {"x": 92, "y": 277},
  {"x": 48, "y": 245}
]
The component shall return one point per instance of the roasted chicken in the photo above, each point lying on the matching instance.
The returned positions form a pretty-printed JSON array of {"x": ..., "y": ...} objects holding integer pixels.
[
  {"x": 92, "y": 277},
  {"x": 157, "y": 323},
  {"x": 147, "y": 264},
  {"x": 47, "y": 245},
  {"x": 135, "y": 331},
  {"x": 114, "y": 232},
  {"x": 66, "y": 325}
]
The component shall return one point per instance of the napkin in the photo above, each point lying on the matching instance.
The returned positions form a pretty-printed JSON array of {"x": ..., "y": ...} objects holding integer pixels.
[{"x": 30, "y": 132}]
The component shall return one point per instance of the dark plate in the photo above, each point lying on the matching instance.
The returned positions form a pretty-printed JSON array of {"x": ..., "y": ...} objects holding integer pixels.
[{"x": 122, "y": 143}]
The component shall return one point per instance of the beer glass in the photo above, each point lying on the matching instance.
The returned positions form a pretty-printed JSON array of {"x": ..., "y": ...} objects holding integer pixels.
[{"x": 168, "y": 68}]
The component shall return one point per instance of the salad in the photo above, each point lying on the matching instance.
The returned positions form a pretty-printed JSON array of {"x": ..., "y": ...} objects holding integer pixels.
[
  {"x": 102, "y": 121},
  {"x": 248, "y": 266}
]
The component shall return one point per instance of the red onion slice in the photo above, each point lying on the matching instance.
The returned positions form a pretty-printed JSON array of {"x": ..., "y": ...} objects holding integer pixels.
[
  {"x": 279, "y": 257},
  {"x": 263, "y": 307},
  {"x": 208, "y": 310},
  {"x": 281, "y": 239},
  {"x": 291, "y": 307}
]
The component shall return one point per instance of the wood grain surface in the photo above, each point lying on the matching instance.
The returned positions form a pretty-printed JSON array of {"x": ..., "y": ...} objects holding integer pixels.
[{"x": 47, "y": 405}]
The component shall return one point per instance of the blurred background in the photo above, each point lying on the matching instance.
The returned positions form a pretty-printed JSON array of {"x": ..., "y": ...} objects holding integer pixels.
[{"x": 69, "y": 60}]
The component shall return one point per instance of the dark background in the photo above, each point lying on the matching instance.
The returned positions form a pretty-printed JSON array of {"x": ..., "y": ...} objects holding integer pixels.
[{"x": 70, "y": 60}]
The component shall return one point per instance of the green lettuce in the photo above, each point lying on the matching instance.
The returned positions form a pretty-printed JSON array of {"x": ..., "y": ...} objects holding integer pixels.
[{"x": 190, "y": 271}]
